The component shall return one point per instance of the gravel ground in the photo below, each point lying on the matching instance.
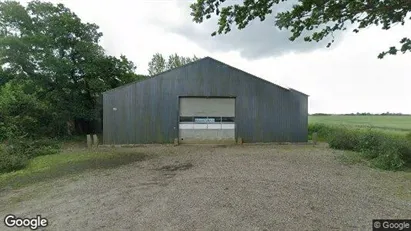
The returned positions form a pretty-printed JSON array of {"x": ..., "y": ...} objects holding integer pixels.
[{"x": 248, "y": 187}]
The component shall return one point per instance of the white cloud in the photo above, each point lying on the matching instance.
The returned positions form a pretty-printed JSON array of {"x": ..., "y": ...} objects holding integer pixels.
[{"x": 347, "y": 78}]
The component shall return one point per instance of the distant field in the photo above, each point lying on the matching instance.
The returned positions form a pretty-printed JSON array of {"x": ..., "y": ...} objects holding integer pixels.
[{"x": 400, "y": 124}]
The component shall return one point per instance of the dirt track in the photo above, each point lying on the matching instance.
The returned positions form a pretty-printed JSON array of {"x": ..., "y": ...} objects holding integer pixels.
[{"x": 257, "y": 187}]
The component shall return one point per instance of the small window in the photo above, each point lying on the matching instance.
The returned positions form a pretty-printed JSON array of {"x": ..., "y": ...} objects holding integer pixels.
[
  {"x": 214, "y": 119},
  {"x": 227, "y": 119},
  {"x": 186, "y": 119},
  {"x": 201, "y": 120}
]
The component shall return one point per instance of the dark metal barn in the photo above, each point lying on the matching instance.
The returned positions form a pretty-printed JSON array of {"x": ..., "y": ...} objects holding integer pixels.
[{"x": 204, "y": 101}]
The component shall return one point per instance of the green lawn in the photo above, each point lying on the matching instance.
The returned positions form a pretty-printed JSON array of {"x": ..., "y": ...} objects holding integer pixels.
[
  {"x": 68, "y": 162},
  {"x": 398, "y": 124}
]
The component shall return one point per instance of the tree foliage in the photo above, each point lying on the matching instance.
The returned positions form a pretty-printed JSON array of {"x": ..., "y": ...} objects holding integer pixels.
[
  {"x": 159, "y": 64},
  {"x": 53, "y": 62},
  {"x": 319, "y": 18},
  {"x": 21, "y": 112}
]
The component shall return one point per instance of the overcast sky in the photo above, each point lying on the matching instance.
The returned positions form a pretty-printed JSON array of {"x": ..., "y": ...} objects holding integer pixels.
[{"x": 345, "y": 78}]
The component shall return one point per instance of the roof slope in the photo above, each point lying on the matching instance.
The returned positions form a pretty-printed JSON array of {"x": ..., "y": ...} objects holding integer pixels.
[{"x": 202, "y": 60}]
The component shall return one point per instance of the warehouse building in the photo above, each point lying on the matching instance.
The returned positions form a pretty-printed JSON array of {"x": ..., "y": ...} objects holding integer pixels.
[{"x": 205, "y": 101}]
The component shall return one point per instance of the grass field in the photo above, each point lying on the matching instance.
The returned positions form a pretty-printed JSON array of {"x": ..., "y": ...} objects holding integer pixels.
[
  {"x": 396, "y": 124},
  {"x": 53, "y": 166}
]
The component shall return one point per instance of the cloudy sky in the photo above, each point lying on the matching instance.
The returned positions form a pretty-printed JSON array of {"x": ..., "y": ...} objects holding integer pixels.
[{"x": 345, "y": 78}]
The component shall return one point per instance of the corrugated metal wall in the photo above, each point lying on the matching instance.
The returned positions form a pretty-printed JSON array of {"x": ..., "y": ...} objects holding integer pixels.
[{"x": 147, "y": 111}]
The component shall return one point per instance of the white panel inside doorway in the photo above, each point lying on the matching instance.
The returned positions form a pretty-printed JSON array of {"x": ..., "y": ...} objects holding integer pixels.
[{"x": 207, "y": 120}]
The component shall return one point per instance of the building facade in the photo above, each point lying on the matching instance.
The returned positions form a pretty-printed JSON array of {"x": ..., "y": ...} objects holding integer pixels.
[{"x": 206, "y": 101}]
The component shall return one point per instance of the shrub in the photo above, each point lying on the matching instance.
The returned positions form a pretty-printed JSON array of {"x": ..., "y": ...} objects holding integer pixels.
[
  {"x": 370, "y": 142},
  {"x": 408, "y": 136},
  {"x": 343, "y": 138},
  {"x": 16, "y": 153},
  {"x": 385, "y": 151},
  {"x": 391, "y": 152},
  {"x": 403, "y": 146},
  {"x": 33, "y": 148},
  {"x": 11, "y": 162},
  {"x": 322, "y": 130},
  {"x": 389, "y": 159}
]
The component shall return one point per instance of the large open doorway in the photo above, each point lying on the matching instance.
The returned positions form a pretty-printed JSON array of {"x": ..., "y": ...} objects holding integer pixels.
[{"x": 207, "y": 120}]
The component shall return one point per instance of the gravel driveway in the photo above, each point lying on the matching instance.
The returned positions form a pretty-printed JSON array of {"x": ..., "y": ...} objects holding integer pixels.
[{"x": 248, "y": 187}]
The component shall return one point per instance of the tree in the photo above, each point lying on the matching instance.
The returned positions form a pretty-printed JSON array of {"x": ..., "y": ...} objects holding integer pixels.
[
  {"x": 175, "y": 61},
  {"x": 158, "y": 63},
  {"x": 50, "y": 47},
  {"x": 320, "y": 18}
]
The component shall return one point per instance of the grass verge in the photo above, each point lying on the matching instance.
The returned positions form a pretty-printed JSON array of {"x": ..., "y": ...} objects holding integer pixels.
[
  {"x": 48, "y": 167},
  {"x": 380, "y": 149},
  {"x": 351, "y": 158}
]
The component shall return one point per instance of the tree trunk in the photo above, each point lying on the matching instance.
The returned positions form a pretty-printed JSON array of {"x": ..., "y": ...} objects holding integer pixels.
[
  {"x": 70, "y": 127},
  {"x": 79, "y": 126}
]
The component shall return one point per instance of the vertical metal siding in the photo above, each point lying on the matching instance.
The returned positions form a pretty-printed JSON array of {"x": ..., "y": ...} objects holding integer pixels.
[{"x": 148, "y": 110}]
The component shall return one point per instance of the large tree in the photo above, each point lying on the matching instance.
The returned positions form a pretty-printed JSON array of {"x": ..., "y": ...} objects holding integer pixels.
[
  {"x": 49, "y": 47},
  {"x": 318, "y": 18},
  {"x": 159, "y": 64}
]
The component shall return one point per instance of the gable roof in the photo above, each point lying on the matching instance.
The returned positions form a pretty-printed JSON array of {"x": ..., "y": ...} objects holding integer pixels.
[
  {"x": 261, "y": 79},
  {"x": 202, "y": 60}
]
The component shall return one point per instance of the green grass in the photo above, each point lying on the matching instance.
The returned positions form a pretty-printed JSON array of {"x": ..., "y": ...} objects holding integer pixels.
[
  {"x": 53, "y": 166},
  {"x": 350, "y": 158},
  {"x": 380, "y": 148},
  {"x": 353, "y": 158},
  {"x": 392, "y": 124}
]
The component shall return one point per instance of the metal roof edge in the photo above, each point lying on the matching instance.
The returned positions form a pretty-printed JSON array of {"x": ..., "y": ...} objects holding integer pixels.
[
  {"x": 199, "y": 60},
  {"x": 292, "y": 89},
  {"x": 259, "y": 78},
  {"x": 138, "y": 81}
]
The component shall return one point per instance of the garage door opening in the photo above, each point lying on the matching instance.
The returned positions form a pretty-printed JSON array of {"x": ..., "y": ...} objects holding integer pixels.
[{"x": 207, "y": 120}]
